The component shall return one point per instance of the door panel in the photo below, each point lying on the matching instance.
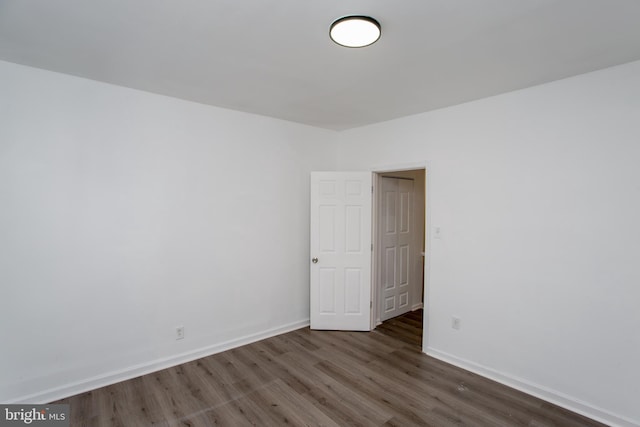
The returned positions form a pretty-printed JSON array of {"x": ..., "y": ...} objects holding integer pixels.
[
  {"x": 327, "y": 290},
  {"x": 396, "y": 246},
  {"x": 340, "y": 292}
]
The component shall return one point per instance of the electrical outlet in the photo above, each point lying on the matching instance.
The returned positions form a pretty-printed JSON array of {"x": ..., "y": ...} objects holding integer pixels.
[
  {"x": 180, "y": 332},
  {"x": 455, "y": 322}
]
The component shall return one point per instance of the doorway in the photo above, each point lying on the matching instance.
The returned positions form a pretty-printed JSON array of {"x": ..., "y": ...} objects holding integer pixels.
[
  {"x": 399, "y": 243},
  {"x": 345, "y": 283}
]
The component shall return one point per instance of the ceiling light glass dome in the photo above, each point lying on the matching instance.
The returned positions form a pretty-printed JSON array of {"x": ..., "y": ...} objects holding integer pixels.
[{"x": 355, "y": 31}]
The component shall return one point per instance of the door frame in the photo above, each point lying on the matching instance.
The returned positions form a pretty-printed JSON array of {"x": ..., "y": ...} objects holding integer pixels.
[{"x": 377, "y": 173}]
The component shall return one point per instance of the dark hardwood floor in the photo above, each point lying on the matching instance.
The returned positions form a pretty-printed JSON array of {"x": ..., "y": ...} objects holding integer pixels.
[{"x": 319, "y": 378}]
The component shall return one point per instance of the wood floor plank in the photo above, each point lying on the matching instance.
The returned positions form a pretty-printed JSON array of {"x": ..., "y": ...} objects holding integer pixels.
[
  {"x": 244, "y": 361},
  {"x": 436, "y": 372},
  {"x": 336, "y": 399},
  {"x": 411, "y": 409},
  {"x": 319, "y": 378},
  {"x": 291, "y": 408},
  {"x": 401, "y": 332},
  {"x": 299, "y": 383},
  {"x": 247, "y": 412},
  {"x": 446, "y": 396}
]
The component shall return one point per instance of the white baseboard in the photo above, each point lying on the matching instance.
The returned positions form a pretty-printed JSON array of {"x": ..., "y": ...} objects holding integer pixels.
[
  {"x": 113, "y": 377},
  {"x": 541, "y": 392}
]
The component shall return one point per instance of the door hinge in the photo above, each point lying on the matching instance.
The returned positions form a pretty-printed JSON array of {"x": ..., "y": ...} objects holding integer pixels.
[
  {"x": 372, "y": 189},
  {"x": 370, "y": 304},
  {"x": 372, "y": 247}
]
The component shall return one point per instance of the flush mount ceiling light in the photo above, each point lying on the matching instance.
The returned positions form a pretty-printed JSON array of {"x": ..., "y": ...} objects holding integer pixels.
[{"x": 355, "y": 31}]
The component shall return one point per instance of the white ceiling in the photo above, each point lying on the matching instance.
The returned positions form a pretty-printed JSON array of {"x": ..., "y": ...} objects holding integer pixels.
[{"x": 274, "y": 57}]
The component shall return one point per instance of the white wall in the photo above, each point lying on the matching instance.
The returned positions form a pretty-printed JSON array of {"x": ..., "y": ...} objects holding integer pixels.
[
  {"x": 124, "y": 214},
  {"x": 537, "y": 193}
]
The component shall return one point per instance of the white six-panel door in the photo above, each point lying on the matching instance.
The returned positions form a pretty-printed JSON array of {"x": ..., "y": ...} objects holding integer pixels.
[
  {"x": 340, "y": 251},
  {"x": 396, "y": 251}
]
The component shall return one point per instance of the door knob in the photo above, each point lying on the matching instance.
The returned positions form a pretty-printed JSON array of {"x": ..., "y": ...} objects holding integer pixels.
[{"x": 314, "y": 260}]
